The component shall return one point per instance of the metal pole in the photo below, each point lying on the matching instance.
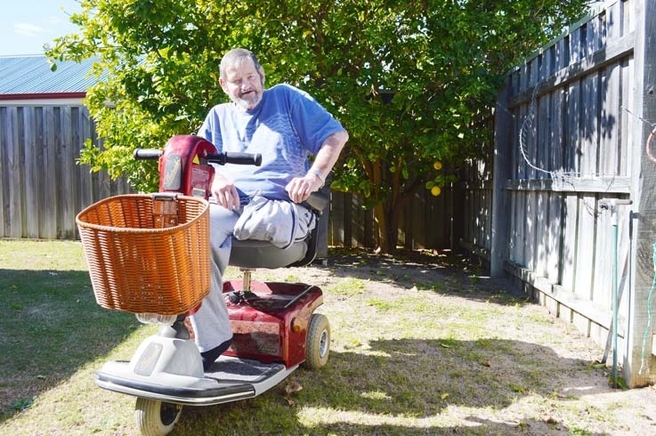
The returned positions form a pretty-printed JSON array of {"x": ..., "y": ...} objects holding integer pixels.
[
  {"x": 612, "y": 204},
  {"x": 615, "y": 302}
]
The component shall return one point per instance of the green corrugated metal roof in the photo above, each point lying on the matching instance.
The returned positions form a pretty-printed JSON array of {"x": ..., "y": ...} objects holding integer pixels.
[{"x": 24, "y": 75}]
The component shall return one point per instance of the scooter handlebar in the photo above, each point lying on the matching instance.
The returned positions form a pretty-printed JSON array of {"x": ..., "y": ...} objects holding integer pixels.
[
  {"x": 147, "y": 153},
  {"x": 230, "y": 157},
  {"x": 219, "y": 158}
]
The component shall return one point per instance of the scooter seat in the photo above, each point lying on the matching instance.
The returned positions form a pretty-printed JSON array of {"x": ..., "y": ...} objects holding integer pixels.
[{"x": 254, "y": 254}]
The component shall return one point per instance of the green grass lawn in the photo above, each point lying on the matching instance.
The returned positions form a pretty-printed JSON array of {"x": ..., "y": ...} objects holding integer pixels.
[
  {"x": 51, "y": 326},
  {"x": 418, "y": 347}
]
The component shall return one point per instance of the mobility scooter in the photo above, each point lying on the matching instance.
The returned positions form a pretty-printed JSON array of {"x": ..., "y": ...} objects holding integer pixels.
[{"x": 149, "y": 255}]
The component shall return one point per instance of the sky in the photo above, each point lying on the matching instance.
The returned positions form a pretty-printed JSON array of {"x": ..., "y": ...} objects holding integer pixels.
[{"x": 26, "y": 25}]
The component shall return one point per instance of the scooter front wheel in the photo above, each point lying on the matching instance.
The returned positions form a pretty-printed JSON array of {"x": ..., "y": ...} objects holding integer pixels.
[{"x": 156, "y": 418}]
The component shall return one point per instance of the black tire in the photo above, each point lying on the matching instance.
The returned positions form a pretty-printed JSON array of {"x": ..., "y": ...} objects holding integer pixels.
[
  {"x": 155, "y": 418},
  {"x": 317, "y": 342}
]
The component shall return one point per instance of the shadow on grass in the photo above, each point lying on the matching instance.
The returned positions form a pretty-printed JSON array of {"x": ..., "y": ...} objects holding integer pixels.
[
  {"x": 369, "y": 392},
  {"x": 440, "y": 272},
  {"x": 50, "y": 327}
]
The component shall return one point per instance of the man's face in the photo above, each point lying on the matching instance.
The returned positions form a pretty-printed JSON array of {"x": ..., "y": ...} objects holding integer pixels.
[{"x": 243, "y": 84}]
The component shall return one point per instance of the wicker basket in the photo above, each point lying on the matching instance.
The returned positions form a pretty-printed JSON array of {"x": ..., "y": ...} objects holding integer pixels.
[{"x": 137, "y": 264}]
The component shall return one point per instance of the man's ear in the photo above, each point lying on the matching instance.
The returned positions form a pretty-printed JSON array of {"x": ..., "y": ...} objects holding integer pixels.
[
  {"x": 223, "y": 85},
  {"x": 262, "y": 75}
]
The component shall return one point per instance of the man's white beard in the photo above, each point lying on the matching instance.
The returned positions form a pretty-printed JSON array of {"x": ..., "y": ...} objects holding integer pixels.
[{"x": 246, "y": 104}]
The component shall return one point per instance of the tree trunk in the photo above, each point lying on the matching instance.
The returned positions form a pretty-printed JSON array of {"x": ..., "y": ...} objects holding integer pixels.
[
  {"x": 388, "y": 213},
  {"x": 381, "y": 220},
  {"x": 388, "y": 216}
]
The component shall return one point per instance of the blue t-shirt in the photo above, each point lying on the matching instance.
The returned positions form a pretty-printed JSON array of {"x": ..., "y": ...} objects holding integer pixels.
[{"x": 286, "y": 127}]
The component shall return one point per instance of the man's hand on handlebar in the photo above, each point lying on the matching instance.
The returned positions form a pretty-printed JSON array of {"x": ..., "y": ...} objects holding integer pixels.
[
  {"x": 225, "y": 193},
  {"x": 300, "y": 188}
]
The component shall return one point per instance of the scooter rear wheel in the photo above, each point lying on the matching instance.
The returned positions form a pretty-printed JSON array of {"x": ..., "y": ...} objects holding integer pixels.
[
  {"x": 156, "y": 418},
  {"x": 317, "y": 342}
]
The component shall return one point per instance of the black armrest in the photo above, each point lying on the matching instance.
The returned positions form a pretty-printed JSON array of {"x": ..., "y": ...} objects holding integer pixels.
[{"x": 317, "y": 202}]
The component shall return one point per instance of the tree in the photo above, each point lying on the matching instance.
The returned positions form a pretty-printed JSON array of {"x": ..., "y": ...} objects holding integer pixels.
[{"x": 413, "y": 82}]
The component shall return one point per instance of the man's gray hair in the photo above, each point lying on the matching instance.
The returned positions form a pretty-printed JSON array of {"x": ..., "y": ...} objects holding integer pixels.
[{"x": 237, "y": 56}]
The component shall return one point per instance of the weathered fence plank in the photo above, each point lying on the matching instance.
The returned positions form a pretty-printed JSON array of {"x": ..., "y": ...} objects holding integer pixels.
[
  {"x": 13, "y": 224},
  {"x": 48, "y": 207},
  {"x": 67, "y": 189},
  {"x": 554, "y": 238},
  {"x": 32, "y": 180},
  {"x": 568, "y": 252}
]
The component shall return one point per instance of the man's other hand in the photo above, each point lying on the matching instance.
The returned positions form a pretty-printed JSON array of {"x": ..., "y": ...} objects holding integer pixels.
[
  {"x": 300, "y": 188},
  {"x": 225, "y": 193}
]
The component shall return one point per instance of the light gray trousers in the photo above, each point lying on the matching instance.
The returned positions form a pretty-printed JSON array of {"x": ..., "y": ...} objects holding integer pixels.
[{"x": 211, "y": 323}]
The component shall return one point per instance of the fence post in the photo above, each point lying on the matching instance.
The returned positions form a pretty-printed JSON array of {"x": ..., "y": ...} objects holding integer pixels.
[
  {"x": 501, "y": 173},
  {"x": 638, "y": 362}
]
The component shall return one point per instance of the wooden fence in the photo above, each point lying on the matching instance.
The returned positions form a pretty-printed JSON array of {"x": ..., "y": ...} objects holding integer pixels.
[
  {"x": 43, "y": 187},
  {"x": 571, "y": 126},
  {"x": 426, "y": 223}
]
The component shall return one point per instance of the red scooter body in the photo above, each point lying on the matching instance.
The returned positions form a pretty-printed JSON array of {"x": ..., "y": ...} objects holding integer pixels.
[
  {"x": 181, "y": 168},
  {"x": 272, "y": 328}
]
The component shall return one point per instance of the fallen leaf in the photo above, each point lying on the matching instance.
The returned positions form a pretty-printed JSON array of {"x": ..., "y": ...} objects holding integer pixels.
[
  {"x": 292, "y": 387},
  {"x": 549, "y": 419}
]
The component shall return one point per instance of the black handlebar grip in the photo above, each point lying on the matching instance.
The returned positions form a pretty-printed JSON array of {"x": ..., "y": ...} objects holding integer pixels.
[
  {"x": 243, "y": 158},
  {"x": 147, "y": 153}
]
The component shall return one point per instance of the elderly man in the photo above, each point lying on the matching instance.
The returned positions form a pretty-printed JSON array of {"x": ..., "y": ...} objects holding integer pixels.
[{"x": 285, "y": 125}]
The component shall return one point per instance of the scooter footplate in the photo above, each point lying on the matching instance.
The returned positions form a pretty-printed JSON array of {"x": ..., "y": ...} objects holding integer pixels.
[
  {"x": 229, "y": 379},
  {"x": 179, "y": 389},
  {"x": 232, "y": 369}
]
